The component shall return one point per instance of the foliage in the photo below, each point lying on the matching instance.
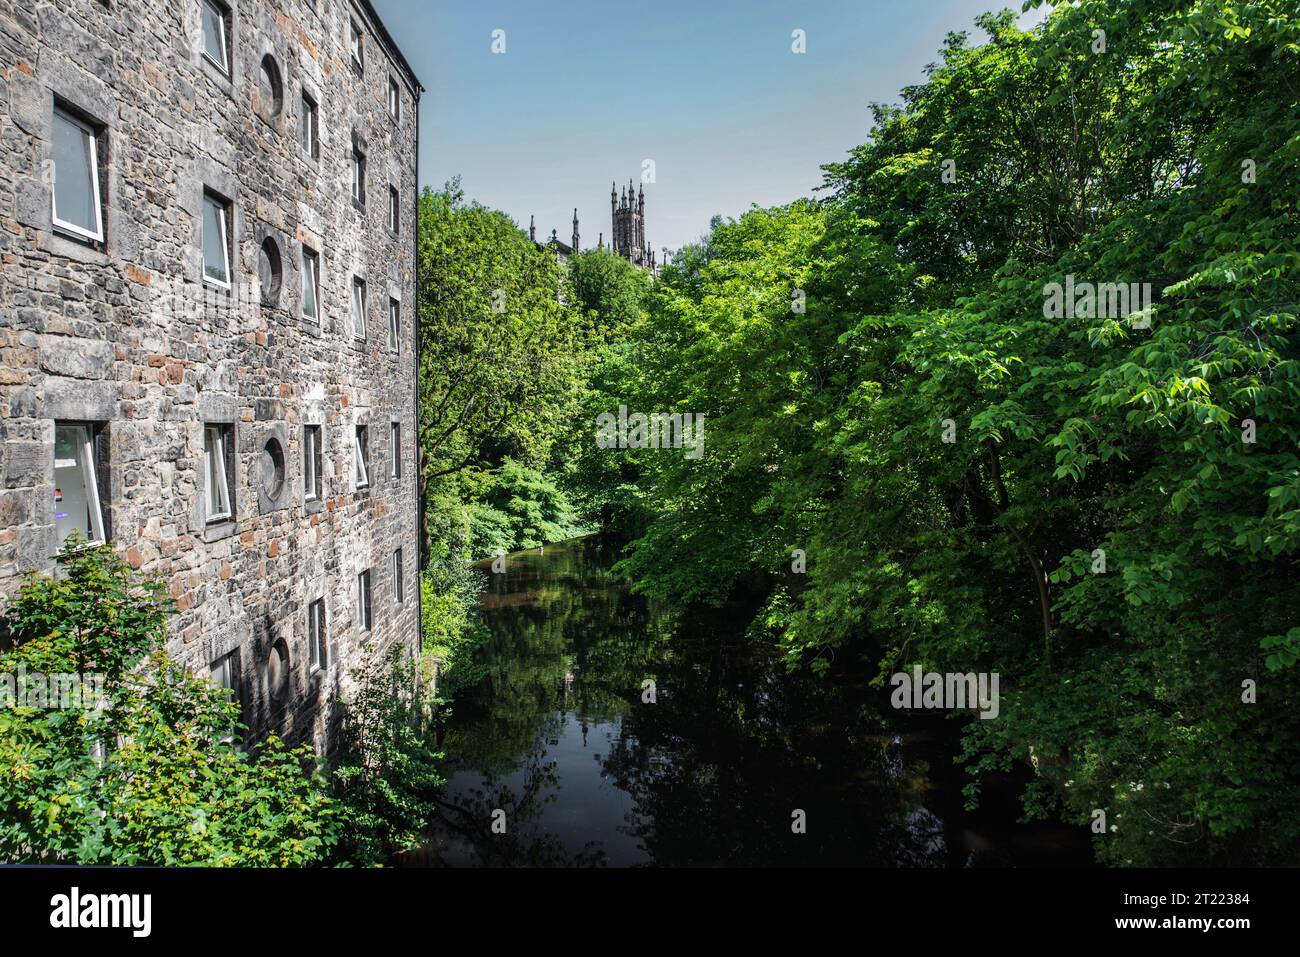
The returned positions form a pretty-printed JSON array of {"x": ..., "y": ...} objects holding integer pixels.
[
  {"x": 155, "y": 777},
  {"x": 924, "y": 314},
  {"x": 384, "y": 771}
]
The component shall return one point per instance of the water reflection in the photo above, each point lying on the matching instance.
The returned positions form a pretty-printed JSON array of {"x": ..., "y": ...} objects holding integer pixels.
[{"x": 558, "y": 737}]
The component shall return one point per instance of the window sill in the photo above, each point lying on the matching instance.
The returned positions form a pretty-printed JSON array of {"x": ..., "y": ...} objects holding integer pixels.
[
  {"x": 310, "y": 506},
  {"x": 219, "y": 530}
]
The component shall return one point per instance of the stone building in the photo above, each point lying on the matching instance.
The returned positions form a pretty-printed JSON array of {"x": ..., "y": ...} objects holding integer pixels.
[{"x": 208, "y": 325}]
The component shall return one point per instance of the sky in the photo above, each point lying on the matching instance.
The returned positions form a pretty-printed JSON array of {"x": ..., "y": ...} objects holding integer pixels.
[{"x": 587, "y": 90}]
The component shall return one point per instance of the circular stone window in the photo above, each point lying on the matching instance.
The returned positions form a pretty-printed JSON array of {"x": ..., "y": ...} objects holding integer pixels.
[
  {"x": 277, "y": 670},
  {"x": 269, "y": 272},
  {"x": 272, "y": 466},
  {"x": 270, "y": 91}
]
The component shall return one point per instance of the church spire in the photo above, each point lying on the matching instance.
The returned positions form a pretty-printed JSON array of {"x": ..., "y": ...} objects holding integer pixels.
[
  {"x": 575, "y": 229},
  {"x": 532, "y": 228}
]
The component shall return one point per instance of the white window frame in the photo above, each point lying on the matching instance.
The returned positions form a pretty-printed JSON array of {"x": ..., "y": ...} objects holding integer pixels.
[
  {"x": 395, "y": 448},
  {"x": 394, "y": 324},
  {"x": 356, "y": 49},
  {"x": 224, "y": 14},
  {"x": 394, "y": 208},
  {"x": 394, "y": 100},
  {"x": 365, "y": 610},
  {"x": 358, "y": 176},
  {"x": 223, "y": 208},
  {"x": 89, "y": 479},
  {"x": 357, "y": 310},
  {"x": 311, "y": 118},
  {"x": 318, "y": 650},
  {"x": 223, "y": 485},
  {"x": 93, "y": 136},
  {"x": 399, "y": 586},
  {"x": 360, "y": 467},
  {"x": 314, "y": 256},
  {"x": 310, "y": 474}
]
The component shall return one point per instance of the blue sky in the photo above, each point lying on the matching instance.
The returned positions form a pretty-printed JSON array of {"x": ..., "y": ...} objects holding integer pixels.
[{"x": 709, "y": 90}]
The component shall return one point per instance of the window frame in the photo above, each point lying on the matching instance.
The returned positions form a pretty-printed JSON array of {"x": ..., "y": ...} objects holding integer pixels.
[
  {"x": 224, "y": 432},
  {"x": 394, "y": 209},
  {"x": 358, "y": 177},
  {"x": 394, "y": 100},
  {"x": 314, "y": 255},
  {"x": 395, "y": 450},
  {"x": 399, "y": 583},
  {"x": 357, "y": 308},
  {"x": 93, "y": 133},
  {"x": 309, "y": 107},
  {"x": 394, "y": 324},
  {"x": 361, "y": 457},
  {"x": 223, "y": 12},
  {"x": 356, "y": 49},
  {"x": 317, "y": 643},
  {"x": 312, "y": 490},
  {"x": 365, "y": 602},
  {"x": 224, "y": 207},
  {"x": 89, "y": 466}
]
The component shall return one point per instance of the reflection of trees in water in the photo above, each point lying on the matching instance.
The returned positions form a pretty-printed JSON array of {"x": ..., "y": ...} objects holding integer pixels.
[
  {"x": 734, "y": 746},
  {"x": 524, "y": 844},
  {"x": 715, "y": 768}
]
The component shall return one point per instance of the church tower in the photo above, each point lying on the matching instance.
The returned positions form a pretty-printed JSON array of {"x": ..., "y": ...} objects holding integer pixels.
[{"x": 627, "y": 209}]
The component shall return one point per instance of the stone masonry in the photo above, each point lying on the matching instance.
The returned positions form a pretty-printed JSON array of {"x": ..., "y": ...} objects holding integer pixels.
[{"x": 124, "y": 335}]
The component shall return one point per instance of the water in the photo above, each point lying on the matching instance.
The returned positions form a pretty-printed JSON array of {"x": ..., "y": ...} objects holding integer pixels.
[{"x": 715, "y": 770}]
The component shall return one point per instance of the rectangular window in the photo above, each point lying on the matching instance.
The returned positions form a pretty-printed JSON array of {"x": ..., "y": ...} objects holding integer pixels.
[
  {"x": 364, "y": 614},
  {"x": 399, "y": 587},
  {"x": 75, "y": 149},
  {"x": 394, "y": 208},
  {"x": 356, "y": 48},
  {"x": 216, "y": 249},
  {"x": 217, "y": 471},
  {"x": 358, "y": 308},
  {"x": 316, "y": 634},
  {"x": 310, "y": 284},
  {"x": 394, "y": 100},
  {"x": 308, "y": 134},
  {"x": 361, "y": 457},
  {"x": 225, "y": 672},
  {"x": 394, "y": 325},
  {"x": 216, "y": 20},
  {"x": 395, "y": 445},
  {"x": 358, "y": 177},
  {"x": 77, "y": 505},
  {"x": 311, "y": 462}
]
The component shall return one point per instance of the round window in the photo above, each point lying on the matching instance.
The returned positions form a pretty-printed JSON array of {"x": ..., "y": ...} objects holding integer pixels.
[
  {"x": 277, "y": 670},
  {"x": 272, "y": 465},
  {"x": 269, "y": 272},
  {"x": 270, "y": 91}
]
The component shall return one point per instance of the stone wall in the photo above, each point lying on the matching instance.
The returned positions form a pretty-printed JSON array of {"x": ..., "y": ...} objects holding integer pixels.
[{"x": 124, "y": 334}]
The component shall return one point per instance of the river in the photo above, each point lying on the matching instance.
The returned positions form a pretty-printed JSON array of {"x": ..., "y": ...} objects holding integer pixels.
[{"x": 561, "y": 754}]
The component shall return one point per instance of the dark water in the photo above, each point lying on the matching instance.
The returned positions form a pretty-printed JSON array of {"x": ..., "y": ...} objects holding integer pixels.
[{"x": 556, "y": 735}]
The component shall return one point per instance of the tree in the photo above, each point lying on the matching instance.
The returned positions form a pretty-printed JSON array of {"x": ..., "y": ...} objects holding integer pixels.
[{"x": 153, "y": 776}]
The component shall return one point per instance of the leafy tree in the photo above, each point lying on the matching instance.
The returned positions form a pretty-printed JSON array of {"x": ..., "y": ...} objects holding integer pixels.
[
  {"x": 154, "y": 776},
  {"x": 1104, "y": 509}
]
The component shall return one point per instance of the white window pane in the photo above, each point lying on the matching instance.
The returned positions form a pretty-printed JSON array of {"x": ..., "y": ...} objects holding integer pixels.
[
  {"x": 309, "y": 285},
  {"x": 76, "y": 498},
  {"x": 358, "y": 310},
  {"x": 215, "y": 264},
  {"x": 76, "y": 188},
  {"x": 214, "y": 34},
  {"x": 218, "y": 492}
]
